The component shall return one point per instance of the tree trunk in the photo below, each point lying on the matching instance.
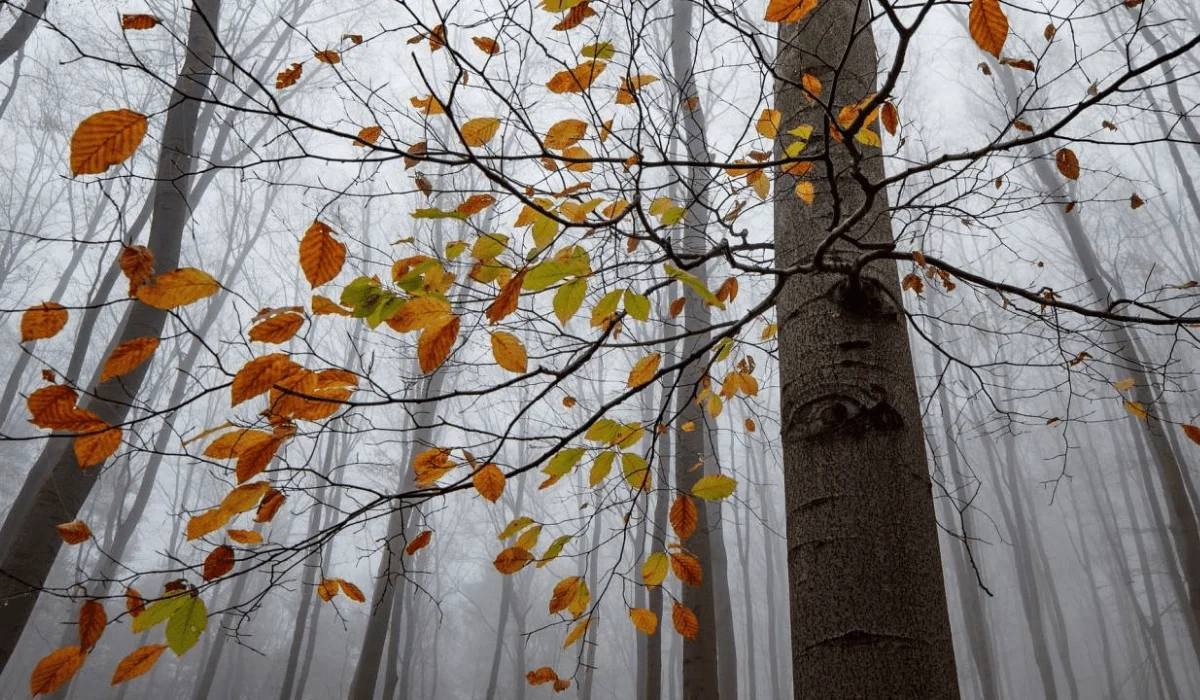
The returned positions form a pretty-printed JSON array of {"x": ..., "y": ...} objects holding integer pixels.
[
  {"x": 868, "y": 603},
  {"x": 29, "y": 540},
  {"x": 16, "y": 36}
]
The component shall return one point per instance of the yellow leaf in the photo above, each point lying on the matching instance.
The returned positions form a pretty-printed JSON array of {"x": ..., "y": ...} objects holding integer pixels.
[
  {"x": 812, "y": 84},
  {"x": 577, "y": 79},
  {"x": 321, "y": 255},
  {"x": 1136, "y": 409},
  {"x": 42, "y": 321},
  {"x": 643, "y": 371},
  {"x": 988, "y": 25},
  {"x": 685, "y": 621},
  {"x": 654, "y": 570},
  {"x": 246, "y": 537},
  {"x": 577, "y": 632},
  {"x": 564, "y": 592},
  {"x": 207, "y": 522},
  {"x": 137, "y": 663},
  {"x": 127, "y": 356},
  {"x": 565, "y": 133},
  {"x": 479, "y": 131},
  {"x": 644, "y": 621},
  {"x": 1124, "y": 384},
  {"x": 178, "y": 288},
  {"x": 804, "y": 190},
  {"x": 509, "y": 352},
  {"x": 55, "y": 669},
  {"x": 768, "y": 123},
  {"x": 489, "y": 482},
  {"x": 787, "y": 11},
  {"x": 105, "y": 139},
  {"x": 714, "y": 487}
]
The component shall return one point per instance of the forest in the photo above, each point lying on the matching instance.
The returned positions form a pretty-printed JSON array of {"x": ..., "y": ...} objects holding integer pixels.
[{"x": 600, "y": 349}]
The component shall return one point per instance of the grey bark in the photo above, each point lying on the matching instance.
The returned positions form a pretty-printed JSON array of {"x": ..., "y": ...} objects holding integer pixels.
[
  {"x": 868, "y": 605},
  {"x": 14, "y": 39},
  {"x": 30, "y": 543}
]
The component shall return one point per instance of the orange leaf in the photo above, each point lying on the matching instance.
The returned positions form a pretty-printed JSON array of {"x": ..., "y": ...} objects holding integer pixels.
[
  {"x": 645, "y": 621},
  {"x": 475, "y": 204},
  {"x": 321, "y": 255},
  {"x": 563, "y": 594},
  {"x": 55, "y": 669},
  {"x": 138, "y": 21},
  {"x": 565, "y": 133},
  {"x": 245, "y": 537},
  {"x": 890, "y": 117},
  {"x": 269, "y": 506},
  {"x": 988, "y": 25},
  {"x": 575, "y": 17},
  {"x": 577, "y": 79},
  {"x": 509, "y": 352},
  {"x": 277, "y": 329},
  {"x": 687, "y": 568},
  {"x": 288, "y": 76},
  {"x": 328, "y": 588},
  {"x": 328, "y": 56},
  {"x": 436, "y": 342},
  {"x": 512, "y": 560},
  {"x": 253, "y": 460},
  {"x": 137, "y": 262},
  {"x": 231, "y": 445},
  {"x": 368, "y": 135},
  {"x": 135, "y": 604},
  {"x": 506, "y": 301},
  {"x": 1068, "y": 163},
  {"x": 208, "y": 521},
  {"x": 486, "y": 45},
  {"x": 218, "y": 563},
  {"x": 260, "y": 374},
  {"x": 685, "y": 621},
  {"x": 74, "y": 532},
  {"x": 105, "y": 139},
  {"x": 545, "y": 674},
  {"x": 643, "y": 371},
  {"x": 477, "y": 132},
  {"x": 352, "y": 591},
  {"x": 489, "y": 482},
  {"x": 127, "y": 356},
  {"x": 42, "y": 321},
  {"x": 684, "y": 516},
  {"x": 137, "y": 663},
  {"x": 178, "y": 288},
  {"x": 419, "y": 542},
  {"x": 787, "y": 11},
  {"x": 100, "y": 445},
  {"x": 92, "y": 620},
  {"x": 324, "y": 306}
]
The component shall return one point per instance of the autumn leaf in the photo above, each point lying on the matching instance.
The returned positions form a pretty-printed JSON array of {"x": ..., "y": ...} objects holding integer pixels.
[
  {"x": 768, "y": 123},
  {"x": 509, "y": 352},
  {"x": 545, "y": 674},
  {"x": 489, "y": 482},
  {"x": 42, "y": 321},
  {"x": 486, "y": 45},
  {"x": 269, "y": 507},
  {"x": 351, "y": 591},
  {"x": 277, "y": 329},
  {"x": 988, "y": 25},
  {"x": 577, "y": 632},
  {"x": 92, "y": 620},
  {"x": 644, "y": 370},
  {"x": 419, "y": 314},
  {"x": 55, "y": 669},
  {"x": 178, "y": 288},
  {"x": 288, "y": 76},
  {"x": 1192, "y": 432},
  {"x": 1068, "y": 163},
  {"x": 475, "y": 204},
  {"x": 327, "y": 589},
  {"x": 106, "y": 139},
  {"x": 245, "y": 497},
  {"x": 506, "y": 301},
  {"x": 138, "y": 22},
  {"x": 1136, "y": 409},
  {"x": 254, "y": 459},
  {"x": 714, "y": 487},
  {"x": 330, "y": 57},
  {"x": 686, "y": 568},
  {"x": 419, "y": 542},
  {"x": 479, "y": 131},
  {"x": 137, "y": 262},
  {"x": 99, "y": 445},
  {"x": 564, "y": 592},
  {"x": 368, "y": 135},
  {"x": 512, "y": 560},
  {"x": 684, "y": 516},
  {"x": 74, "y": 532},
  {"x": 245, "y": 537},
  {"x": 208, "y": 521},
  {"x": 260, "y": 374},
  {"x": 565, "y": 133},
  {"x": 1124, "y": 384},
  {"x": 137, "y": 663},
  {"x": 685, "y": 621},
  {"x": 890, "y": 117},
  {"x": 218, "y": 563},
  {"x": 787, "y": 11},
  {"x": 321, "y": 255},
  {"x": 135, "y": 604},
  {"x": 654, "y": 570},
  {"x": 436, "y": 341},
  {"x": 577, "y": 79},
  {"x": 644, "y": 621},
  {"x": 127, "y": 356}
]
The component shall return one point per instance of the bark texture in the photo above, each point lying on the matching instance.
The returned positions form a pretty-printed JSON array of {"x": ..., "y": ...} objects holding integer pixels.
[{"x": 868, "y": 605}]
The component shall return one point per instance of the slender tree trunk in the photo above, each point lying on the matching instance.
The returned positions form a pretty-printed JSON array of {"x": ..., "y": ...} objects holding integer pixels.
[
  {"x": 208, "y": 672},
  {"x": 506, "y": 609},
  {"x": 868, "y": 603},
  {"x": 30, "y": 543},
  {"x": 14, "y": 39}
]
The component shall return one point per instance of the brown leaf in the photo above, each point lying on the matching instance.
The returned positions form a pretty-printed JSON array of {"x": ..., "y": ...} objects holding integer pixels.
[
  {"x": 74, "y": 532},
  {"x": 269, "y": 507},
  {"x": 106, "y": 139},
  {"x": 245, "y": 537},
  {"x": 890, "y": 117},
  {"x": 577, "y": 79},
  {"x": 563, "y": 594},
  {"x": 368, "y": 135},
  {"x": 419, "y": 542},
  {"x": 137, "y": 262},
  {"x": 545, "y": 674},
  {"x": 489, "y": 482},
  {"x": 486, "y": 45},
  {"x": 288, "y": 76},
  {"x": 506, "y": 301},
  {"x": 127, "y": 356},
  {"x": 988, "y": 25},
  {"x": 92, "y": 620},
  {"x": 512, "y": 560},
  {"x": 218, "y": 563},
  {"x": 352, "y": 591},
  {"x": 55, "y": 669},
  {"x": 684, "y": 516},
  {"x": 137, "y": 663},
  {"x": 135, "y": 604},
  {"x": 277, "y": 329},
  {"x": 685, "y": 621},
  {"x": 436, "y": 341},
  {"x": 575, "y": 17},
  {"x": 328, "y": 56},
  {"x": 321, "y": 255},
  {"x": 687, "y": 568},
  {"x": 42, "y": 321},
  {"x": 1068, "y": 163},
  {"x": 138, "y": 22}
]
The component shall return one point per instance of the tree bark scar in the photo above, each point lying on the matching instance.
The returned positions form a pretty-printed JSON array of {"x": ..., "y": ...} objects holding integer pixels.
[
  {"x": 834, "y": 414},
  {"x": 867, "y": 299},
  {"x": 858, "y": 637}
]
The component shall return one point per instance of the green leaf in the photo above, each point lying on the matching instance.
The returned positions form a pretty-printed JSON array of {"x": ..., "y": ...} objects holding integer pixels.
[
  {"x": 606, "y": 306},
  {"x": 562, "y": 463},
  {"x": 430, "y": 213},
  {"x": 553, "y": 550},
  {"x": 568, "y": 299},
  {"x": 544, "y": 230},
  {"x": 603, "y": 430},
  {"x": 455, "y": 249},
  {"x": 186, "y": 625},
  {"x": 637, "y": 305},
  {"x": 601, "y": 50},
  {"x": 357, "y": 291},
  {"x": 723, "y": 348},
  {"x": 637, "y": 471},
  {"x": 695, "y": 284},
  {"x": 714, "y": 487},
  {"x": 488, "y": 246},
  {"x": 601, "y": 467},
  {"x": 629, "y": 435},
  {"x": 673, "y": 216},
  {"x": 157, "y": 612},
  {"x": 543, "y": 275},
  {"x": 515, "y": 526}
]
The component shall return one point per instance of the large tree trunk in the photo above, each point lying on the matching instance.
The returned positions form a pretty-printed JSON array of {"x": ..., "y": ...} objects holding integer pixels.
[
  {"x": 16, "y": 36},
  {"x": 29, "y": 540},
  {"x": 868, "y": 604}
]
